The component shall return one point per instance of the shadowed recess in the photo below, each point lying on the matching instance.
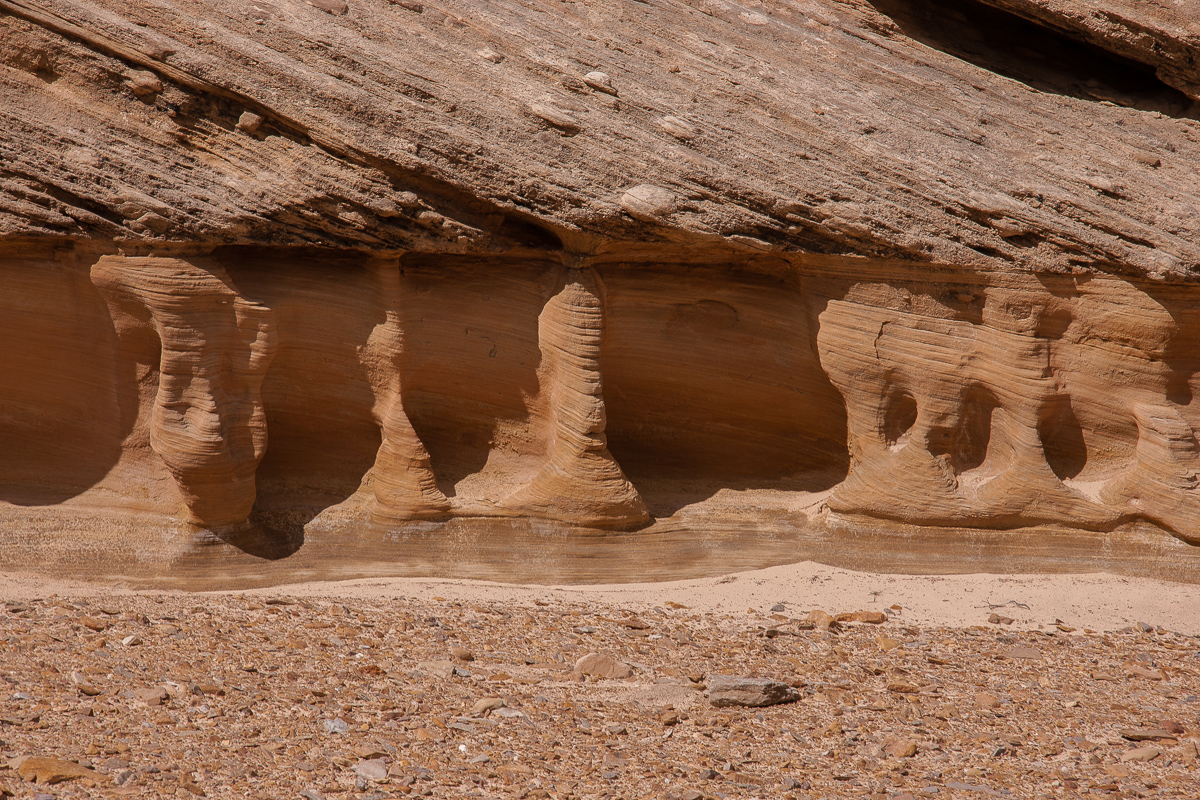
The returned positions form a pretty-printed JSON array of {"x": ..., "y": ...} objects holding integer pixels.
[{"x": 1037, "y": 56}]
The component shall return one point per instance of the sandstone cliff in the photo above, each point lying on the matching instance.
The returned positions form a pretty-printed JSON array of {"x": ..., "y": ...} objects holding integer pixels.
[{"x": 906, "y": 283}]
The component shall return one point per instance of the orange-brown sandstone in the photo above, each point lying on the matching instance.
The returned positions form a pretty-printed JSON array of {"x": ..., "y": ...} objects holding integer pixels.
[{"x": 588, "y": 290}]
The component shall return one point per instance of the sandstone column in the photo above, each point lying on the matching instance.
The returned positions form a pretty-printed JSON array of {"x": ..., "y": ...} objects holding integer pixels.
[
  {"x": 580, "y": 481},
  {"x": 403, "y": 481},
  {"x": 207, "y": 422},
  {"x": 1164, "y": 484}
]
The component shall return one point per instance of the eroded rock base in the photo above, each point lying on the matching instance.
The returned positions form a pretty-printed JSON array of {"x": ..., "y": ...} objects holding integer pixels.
[{"x": 662, "y": 411}]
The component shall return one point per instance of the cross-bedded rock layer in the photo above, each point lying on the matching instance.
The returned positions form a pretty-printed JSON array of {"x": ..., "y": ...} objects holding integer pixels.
[{"x": 690, "y": 268}]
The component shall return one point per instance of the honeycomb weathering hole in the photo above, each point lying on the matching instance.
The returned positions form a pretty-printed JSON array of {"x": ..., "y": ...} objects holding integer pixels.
[
  {"x": 1062, "y": 439},
  {"x": 975, "y": 429},
  {"x": 900, "y": 417}
]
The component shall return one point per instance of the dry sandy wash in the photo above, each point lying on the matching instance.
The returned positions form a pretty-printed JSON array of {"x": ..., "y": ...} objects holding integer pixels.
[{"x": 1080, "y": 686}]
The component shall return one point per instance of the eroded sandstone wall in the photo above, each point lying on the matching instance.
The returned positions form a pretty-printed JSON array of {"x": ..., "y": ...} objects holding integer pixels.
[
  {"x": 226, "y": 388},
  {"x": 532, "y": 280}
]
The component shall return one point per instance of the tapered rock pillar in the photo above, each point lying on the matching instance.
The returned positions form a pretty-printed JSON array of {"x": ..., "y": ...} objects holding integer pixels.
[
  {"x": 207, "y": 421},
  {"x": 1164, "y": 484},
  {"x": 580, "y": 481},
  {"x": 402, "y": 479}
]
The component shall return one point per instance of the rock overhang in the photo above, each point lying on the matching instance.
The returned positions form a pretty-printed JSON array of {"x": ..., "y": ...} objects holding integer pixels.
[{"x": 789, "y": 268}]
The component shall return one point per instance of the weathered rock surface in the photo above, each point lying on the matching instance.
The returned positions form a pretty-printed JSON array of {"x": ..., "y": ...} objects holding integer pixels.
[
  {"x": 602, "y": 666},
  {"x": 332, "y": 280},
  {"x": 725, "y": 691}
]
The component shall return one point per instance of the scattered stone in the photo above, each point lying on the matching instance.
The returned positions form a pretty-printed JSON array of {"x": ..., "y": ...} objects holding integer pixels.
[
  {"x": 486, "y": 706},
  {"x": 902, "y": 687},
  {"x": 728, "y": 690},
  {"x": 870, "y": 617},
  {"x": 820, "y": 620},
  {"x": 131, "y": 641},
  {"x": 987, "y": 701},
  {"x": 462, "y": 654},
  {"x": 1139, "y": 671},
  {"x": 603, "y": 666},
  {"x": 901, "y": 748},
  {"x": 1141, "y": 754},
  {"x": 56, "y": 770},
  {"x": 1148, "y": 734},
  {"x": 488, "y": 54},
  {"x": 373, "y": 769},
  {"x": 335, "y": 726},
  {"x": 381, "y": 708},
  {"x": 85, "y": 688},
  {"x": 648, "y": 203},
  {"x": 1027, "y": 653},
  {"x": 438, "y": 669},
  {"x": 153, "y": 696}
]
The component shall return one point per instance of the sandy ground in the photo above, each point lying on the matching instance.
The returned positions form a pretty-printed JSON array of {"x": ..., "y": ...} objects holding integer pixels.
[{"x": 1099, "y": 602}]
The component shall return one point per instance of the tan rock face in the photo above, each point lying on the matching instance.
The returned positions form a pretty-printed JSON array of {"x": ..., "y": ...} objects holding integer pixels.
[
  {"x": 403, "y": 389},
  {"x": 670, "y": 313}
]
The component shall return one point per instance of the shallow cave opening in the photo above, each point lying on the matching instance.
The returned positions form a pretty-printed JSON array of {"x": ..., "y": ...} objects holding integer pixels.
[{"x": 1038, "y": 56}]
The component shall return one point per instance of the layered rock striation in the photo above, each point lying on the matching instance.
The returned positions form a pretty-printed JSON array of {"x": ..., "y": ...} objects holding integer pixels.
[{"x": 365, "y": 272}]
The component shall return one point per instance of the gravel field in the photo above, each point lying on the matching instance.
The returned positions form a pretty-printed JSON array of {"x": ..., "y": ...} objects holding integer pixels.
[{"x": 349, "y": 695}]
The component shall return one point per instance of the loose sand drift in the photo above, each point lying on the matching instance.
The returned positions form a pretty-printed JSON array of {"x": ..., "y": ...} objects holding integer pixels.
[{"x": 1097, "y": 601}]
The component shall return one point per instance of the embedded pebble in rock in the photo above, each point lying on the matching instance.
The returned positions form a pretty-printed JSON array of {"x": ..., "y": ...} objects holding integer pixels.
[
  {"x": 556, "y": 116},
  {"x": 335, "y": 7},
  {"x": 144, "y": 84},
  {"x": 600, "y": 81},
  {"x": 648, "y": 203},
  {"x": 729, "y": 690},
  {"x": 679, "y": 128},
  {"x": 249, "y": 122},
  {"x": 314, "y": 721}
]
